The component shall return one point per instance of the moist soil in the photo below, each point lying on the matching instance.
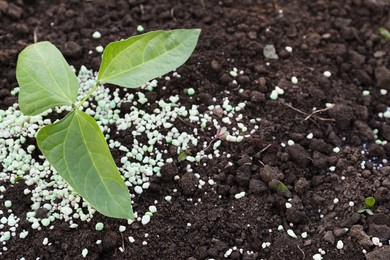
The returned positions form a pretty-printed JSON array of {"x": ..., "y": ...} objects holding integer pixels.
[{"x": 339, "y": 36}]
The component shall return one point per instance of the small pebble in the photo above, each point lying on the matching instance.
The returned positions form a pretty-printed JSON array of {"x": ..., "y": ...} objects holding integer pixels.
[
  {"x": 140, "y": 28},
  {"x": 240, "y": 195},
  {"x": 340, "y": 245},
  {"x": 84, "y": 253},
  {"x": 290, "y": 142},
  {"x": 190, "y": 91},
  {"x": 96, "y": 35},
  {"x": 145, "y": 219},
  {"x": 122, "y": 228},
  {"x": 99, "y": 226},
  {"x": 294, "y": 80},
  {"x": 99, "y": 49},
  {"x": 291, "y": 233},
  {"x": 327, "y": 74}
]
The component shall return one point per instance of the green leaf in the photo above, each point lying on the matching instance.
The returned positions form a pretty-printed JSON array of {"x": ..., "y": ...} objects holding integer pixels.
[
  {"x": 132, "y": 62},
  {"x": 76, "y": 148},
  {"x": 361, "y": 211},
  {"x": 370, "y": 202},
  {"x": 369, "y": 212},
  {"x": 182, "y": 156},
  {"x": 385, "y": 33},
  {"x": 279, "y": 187},
  {"x": 285, "y": 191},
  {"x": 45, "y": 79}
]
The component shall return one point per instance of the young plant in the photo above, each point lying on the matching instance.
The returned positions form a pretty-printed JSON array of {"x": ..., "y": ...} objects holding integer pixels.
[
  {"x": 369, "y": 203},
  {"x": 219, "y": 135},
  {"x": 385, "y": 33},
  {"x": 74, "y": 145}
]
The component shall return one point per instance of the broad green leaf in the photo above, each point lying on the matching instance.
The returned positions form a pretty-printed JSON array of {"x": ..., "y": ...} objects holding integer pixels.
[
  {"x": 76, "y": 148},
  {"x": 45, "y": 79},
  {"x": 370, "y": 202},
  {"x": 132, "y": 62}
]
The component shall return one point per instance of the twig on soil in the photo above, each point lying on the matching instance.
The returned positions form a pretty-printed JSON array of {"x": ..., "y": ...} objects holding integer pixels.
[
  {"x": 303, "y": 253},
  {"x": 308, "y": 116},
  {"x": 123, "y": 242},
  {"x": 264, "y": 149},
  {"x": 185, "y": 122},
  {"x": 35, "y": 34},
  {"x": 173, "y": 14}
]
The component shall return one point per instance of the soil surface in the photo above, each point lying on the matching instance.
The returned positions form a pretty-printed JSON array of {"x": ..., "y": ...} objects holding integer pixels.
[{"x": 339, "y": 36}]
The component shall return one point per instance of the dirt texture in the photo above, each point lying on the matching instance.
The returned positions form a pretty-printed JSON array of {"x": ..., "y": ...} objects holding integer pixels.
[{"x": 339, "y": 36}]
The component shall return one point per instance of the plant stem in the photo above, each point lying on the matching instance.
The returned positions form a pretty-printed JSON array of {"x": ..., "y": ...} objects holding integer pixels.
[{"x": 88, "y": 95}]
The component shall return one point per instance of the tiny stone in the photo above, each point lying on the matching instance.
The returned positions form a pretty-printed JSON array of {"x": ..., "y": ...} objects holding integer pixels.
[
  {"x": 304, "y": 235},
  {"x": 290, "y": 142},
  {"x": 383, "y": 92},
  {"x": 340, "y": 245},
  {"x": 138, "y": 189},
  {"x": 274, "y": 95},
  {"x": 240, "y": 195},
  {"x": 45, "y": 222},
  {"x": 190, "y": 91},
  {"x": 288, "y": 205},
  {"x": 8, "y": 203},
  {"x": 131, "y": 239},
  {"x": 310, "y": 136},
  {"x": 84, "y": 253},
  {"x": 327, "y": 74},
  {"x": 351, "y": 204},
  {"x": 96, "y": 35},
  {"x": 145, "y": 219},
  {"x": 140, "y": 28},
  {"x": 99, "y": 226},
  {"x": 336, "y": 200},
  {"x": 291, "y": 233},
  {"x": 99, "y": 49},
  {"x": 122, "y": 228},
  {"x": 375, "y": 241},
  {"x": 66, "y": 211},
  {"x": 288, "y": 49},
  {"x": 294, "y": 80},
  {"x": 45, "y": 241},
  {"x": 153, "y": 209}
]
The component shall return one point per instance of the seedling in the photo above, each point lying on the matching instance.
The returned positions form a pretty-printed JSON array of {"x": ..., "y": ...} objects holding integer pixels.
[
  {"x": 221, "y": 134},
  {"x": 279, "y": 187},
  {"x": 75, "y": 145},
  {"x": 369, "y": 203},
  {"x": 385, "y": 33}
]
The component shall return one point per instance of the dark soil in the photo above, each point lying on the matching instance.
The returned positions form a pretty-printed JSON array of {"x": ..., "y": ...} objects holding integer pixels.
[{"x": 340, "y": 36}]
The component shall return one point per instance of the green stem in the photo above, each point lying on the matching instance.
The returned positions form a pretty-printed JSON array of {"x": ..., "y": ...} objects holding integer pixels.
[{"x": 88, "y": 95}]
